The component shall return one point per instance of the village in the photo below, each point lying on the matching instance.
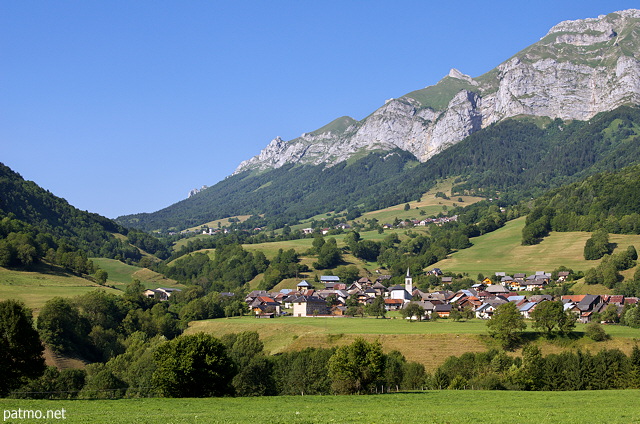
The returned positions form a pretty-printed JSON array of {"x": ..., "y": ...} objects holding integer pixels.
[{"x": 338, "y": 299}]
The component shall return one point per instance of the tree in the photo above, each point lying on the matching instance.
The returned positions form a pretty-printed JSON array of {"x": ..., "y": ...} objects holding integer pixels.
[
  {"x": 507, "y": 324},
  {"x": 347, "y": 274},
  {"x": 376, "y": 308},
  {"x": 455, "y": 315},
  {"x": 407, "y": 206},
  {"x": 632, "y": 317},
  {"x": 551, "y": 315},
  {"x": 357, "y": 367},
  {"x": 20, "y": 346},
  {"x": 193, "y": 366},
  {"x": 597, "y": 245},
  {"x": 329, "y": 255},
  {"x": 412, "y": 310},
  {"x": 101, "y": 276},
  {"x": 595, "y": 332},
  {"x": 63, "y": 328},
  {"x": 610, "y": 314}
]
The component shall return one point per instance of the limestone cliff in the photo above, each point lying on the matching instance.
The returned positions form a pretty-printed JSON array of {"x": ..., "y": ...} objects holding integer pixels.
[{"x": 580, "y": 68}]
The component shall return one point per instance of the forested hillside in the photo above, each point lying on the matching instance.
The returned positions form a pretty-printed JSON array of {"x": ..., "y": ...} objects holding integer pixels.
[
  {"x": 512, "y": 160},
  {"x": 609, "y": 201},
  {"x": 35, "y": 224}
]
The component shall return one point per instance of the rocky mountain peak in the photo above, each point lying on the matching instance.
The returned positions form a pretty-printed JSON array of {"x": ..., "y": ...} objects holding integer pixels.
[{"x": 578, "y": 69}]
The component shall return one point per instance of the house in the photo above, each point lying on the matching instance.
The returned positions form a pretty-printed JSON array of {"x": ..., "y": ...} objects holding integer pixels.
[
  {"x": 379, "y": 288},
  {"x": 265, "y": 304},
  {"x": 307, "y": 231},
  {"x": 485, "y": 311},
  {"x": 161, "y": 293},
  {"x": 329, "y": 279},
  {"x": 535, "y": 284},
  {"x": 435, "y": 271},
  {"x": 443, "y": 311},
  {"x": 339, "y": 310},
  {"x": 497, "y": 289},
  {"x": 446, "y": 280},
  {"x": 416, "y": 317},
  {"x": 393, "y": 304},
  {"x": 526, "y": 309},
  {"x": 307, "y": 306},
  {"x": 478, "y": 287},
  {"x": 371, "y": 292},
  {"x": 303, "y": 285},
  {"x": 516, "y": 284}
]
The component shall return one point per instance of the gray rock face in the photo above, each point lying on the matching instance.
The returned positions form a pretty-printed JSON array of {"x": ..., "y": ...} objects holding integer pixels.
[{"x": 580, "y": 68}]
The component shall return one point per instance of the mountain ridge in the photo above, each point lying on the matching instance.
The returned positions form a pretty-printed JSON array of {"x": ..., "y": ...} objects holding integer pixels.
[{"x": 578, "y": 69}]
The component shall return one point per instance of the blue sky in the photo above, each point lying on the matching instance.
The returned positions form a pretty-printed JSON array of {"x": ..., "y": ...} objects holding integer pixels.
[{"x": 124, "y": 106}]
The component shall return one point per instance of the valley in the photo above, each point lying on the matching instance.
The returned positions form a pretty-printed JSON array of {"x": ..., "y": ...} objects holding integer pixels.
[{"x": 476, "y": 235}]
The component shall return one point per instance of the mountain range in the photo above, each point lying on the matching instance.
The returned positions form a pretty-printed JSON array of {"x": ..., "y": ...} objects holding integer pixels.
[
  {"x": 577, "y": 70},
  {"x": 516, "y": 113}
]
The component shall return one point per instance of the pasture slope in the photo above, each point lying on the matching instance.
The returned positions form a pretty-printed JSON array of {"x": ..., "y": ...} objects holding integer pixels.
[
  {"x": 42, "y": 283},
  {"x": 501, "y": 250},
  {"x": 447, "y": 406}
]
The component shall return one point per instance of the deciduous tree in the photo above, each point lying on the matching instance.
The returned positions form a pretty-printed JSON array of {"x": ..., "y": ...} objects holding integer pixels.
[
  {"x": 20, "y": 346},
  {"x": 507, "y": 324}
]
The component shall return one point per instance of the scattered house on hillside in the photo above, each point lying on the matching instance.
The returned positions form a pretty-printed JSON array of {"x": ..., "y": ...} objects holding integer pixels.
[
  {"x": 161, "y": 293},
  {"x": 307, "y": 231},
  {"x": 446, "y": 280},
  {"x": 435, "y": 271},
  {"x": 329, "y": 279}
]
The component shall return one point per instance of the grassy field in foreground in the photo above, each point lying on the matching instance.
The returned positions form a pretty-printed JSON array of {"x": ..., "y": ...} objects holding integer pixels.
[
  {"x": 464, "y": 407},
  {"x": 35, "y": 287},
  {"x": 428, "y": 343},
  {"x": 501, "y": 250}
]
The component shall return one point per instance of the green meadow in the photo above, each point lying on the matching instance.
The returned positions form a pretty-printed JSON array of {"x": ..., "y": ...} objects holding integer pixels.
[
  {"x": 501, "y": 250},
  {"x": 42, "y": 283},
  {"x": 460, "y": 406},
  {"x": 121, "y": 274},
  {"x": 428, "y": 343}
]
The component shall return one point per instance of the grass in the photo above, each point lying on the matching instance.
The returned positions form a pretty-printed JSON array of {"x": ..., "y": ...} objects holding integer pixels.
[
  {"x": 501, "y": 250},
  {"x": 430, "y": 204},
  {"x": 42, "y": 283},
  {"x": 121, "y": 274},
  {"x": 428, "y": 343},
  {"x": 461, "y": 406}
]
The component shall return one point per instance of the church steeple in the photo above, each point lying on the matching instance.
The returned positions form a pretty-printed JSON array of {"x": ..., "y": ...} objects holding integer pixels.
[{"x": 408, "y": 283}]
